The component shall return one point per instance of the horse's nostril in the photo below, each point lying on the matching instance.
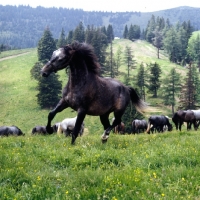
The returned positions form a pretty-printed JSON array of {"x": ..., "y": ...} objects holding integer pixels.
[{"x": 44, "y": 74}]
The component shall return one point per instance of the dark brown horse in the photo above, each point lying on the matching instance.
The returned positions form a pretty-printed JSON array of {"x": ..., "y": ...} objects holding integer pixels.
[
  {"x": 182, "y": 116},
  {"x": 120, "y": 128},
  {"x": 39, "y": 130},
  {"x": 139, "y": 126},
  {"x": 86, "y": 91}
]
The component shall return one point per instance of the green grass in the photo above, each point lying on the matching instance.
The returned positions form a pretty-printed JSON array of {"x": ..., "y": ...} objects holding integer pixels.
[
  {"x": 158, "y": 166},
  {"x": 5, "y": 54}
]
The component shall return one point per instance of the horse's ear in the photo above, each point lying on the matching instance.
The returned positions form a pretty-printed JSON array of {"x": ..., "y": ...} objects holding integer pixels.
[{"x": 68, "y": 49}]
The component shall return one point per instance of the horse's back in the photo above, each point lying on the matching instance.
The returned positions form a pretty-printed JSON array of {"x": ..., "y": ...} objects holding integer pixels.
[
  {"x": 3, "y": 130},
  {"x": 196, "y": 114},
  {"x": 10, "y": 130}
]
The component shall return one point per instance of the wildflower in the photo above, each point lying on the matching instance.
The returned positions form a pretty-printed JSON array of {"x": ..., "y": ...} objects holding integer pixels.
[
  {"x": 66, "y": 192},
  {"x": 38, "y": 178},
  {"x": 162, "y": 194}
]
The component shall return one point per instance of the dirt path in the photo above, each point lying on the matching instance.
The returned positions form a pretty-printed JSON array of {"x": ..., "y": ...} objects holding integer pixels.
[{"x": 14, "y": 56}]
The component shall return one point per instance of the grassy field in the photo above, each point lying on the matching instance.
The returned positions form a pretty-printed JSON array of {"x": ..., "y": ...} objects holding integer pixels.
[{"x": 158, "y": 166}]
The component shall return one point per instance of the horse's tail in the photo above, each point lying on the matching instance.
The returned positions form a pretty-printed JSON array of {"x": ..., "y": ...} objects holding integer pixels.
[
  {"x": 140, "y": 105},
  {"x": 59, "y": 131}
]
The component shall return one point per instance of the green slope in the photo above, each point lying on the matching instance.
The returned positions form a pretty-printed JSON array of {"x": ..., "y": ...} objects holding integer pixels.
[{"x": 18, "y": 95}]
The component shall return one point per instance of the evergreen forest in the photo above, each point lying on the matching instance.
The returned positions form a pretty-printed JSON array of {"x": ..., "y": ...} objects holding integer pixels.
[{"x": 23, "y": 26}]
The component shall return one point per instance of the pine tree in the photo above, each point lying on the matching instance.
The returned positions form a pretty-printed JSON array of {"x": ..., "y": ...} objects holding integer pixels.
[
  {"x": 158, "y": 41},
  {"x": 131, "y": 33},
  {"x": 154, "y": 79},
  {"x": 49, "y": 88},
  {"x": 182, "y": 42},
  {"x": 136, "y": 31},
  {"x": 170, "y": 44},
  {"x": 46, "y": 46},
  {"x": 61, "y": 41},
  {"x": 129, "y": 59},
  {"x": 118, "y": 59},
  {"x": 99, "y": 42},
  {"x": 49, "y": 91},
  {"x": 110, "y": 33},
  {"x": 150, "y": 29},
  {"x": 170, "y": 89},
  {"x": 35, "y": 70},
  {"x": 130, "y": 113},
  {"x": 69, "y": 38},
  {"x": 140, "y": 81},
  {"x": 125, "y": 34},
  {"x": 187, "y": 96},
  {"x": 193, "y": 49},
  {"x": 196, "y": 82},
  {"x": 79, "y": 33}
]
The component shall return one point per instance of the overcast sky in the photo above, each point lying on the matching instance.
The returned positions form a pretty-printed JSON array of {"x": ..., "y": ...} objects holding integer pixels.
[{"x": 108, "y": 5}]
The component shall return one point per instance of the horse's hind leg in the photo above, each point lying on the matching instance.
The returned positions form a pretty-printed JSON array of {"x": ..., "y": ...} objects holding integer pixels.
[
  {"x": 60, "y": 107},
  {"x": 106, "y": 124}
]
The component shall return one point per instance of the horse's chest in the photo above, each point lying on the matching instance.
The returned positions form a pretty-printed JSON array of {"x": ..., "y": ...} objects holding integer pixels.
[{"x": 73, "y": 100}]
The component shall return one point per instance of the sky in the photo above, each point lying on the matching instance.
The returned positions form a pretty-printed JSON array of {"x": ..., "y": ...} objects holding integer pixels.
[{"x": 107, "y": 5}]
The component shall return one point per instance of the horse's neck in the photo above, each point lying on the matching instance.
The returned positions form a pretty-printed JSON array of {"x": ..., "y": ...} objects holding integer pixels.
[{"x": 78, "y": 76}]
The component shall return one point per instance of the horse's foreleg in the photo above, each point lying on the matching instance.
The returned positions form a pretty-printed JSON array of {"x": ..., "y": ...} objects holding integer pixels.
[
  {"x": 79, "y": 121},
  {"x": 60, "y": 107}
]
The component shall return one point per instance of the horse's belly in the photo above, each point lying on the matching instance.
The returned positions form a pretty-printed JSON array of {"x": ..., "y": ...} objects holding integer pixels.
[{"x": 98, "y": 110}]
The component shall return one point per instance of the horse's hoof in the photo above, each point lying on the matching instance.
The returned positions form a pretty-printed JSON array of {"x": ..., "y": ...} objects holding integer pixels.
[
  {"x": 103, "y": 141},
  {"x": 73, "y": 140},
  {"x": 104, "y": 138},
  {"x": 49, "y": 130}
]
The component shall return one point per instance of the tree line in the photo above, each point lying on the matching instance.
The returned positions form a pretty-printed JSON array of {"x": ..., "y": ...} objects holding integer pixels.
[{"x": 23, "y": 26}]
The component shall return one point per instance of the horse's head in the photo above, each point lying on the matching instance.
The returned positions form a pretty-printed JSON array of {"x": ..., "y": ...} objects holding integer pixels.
[
  {"x": 59, "y": 60},
  {"x": 170, "y": 127}
]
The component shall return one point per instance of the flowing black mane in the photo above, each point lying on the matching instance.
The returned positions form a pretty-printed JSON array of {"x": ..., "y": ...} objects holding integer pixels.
[{"x": 86, "y": 52}]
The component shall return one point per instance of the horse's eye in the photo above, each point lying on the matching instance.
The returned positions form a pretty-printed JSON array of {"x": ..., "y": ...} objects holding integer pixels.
[{"x": 54, "y": 59}]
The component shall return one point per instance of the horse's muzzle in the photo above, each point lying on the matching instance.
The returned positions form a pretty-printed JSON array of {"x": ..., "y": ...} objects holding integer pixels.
[{"x": 44, "y": 74}]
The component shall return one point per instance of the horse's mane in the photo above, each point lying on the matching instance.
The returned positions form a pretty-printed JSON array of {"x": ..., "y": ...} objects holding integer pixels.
[{"x": 86, "y": 51}]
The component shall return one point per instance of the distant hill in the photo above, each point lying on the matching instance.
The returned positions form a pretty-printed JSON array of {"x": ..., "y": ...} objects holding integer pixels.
[{"x": 23, "y": 26}]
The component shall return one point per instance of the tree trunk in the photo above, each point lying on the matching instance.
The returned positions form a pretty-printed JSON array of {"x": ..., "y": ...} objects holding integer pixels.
[
  {"x": 158, "y": 52},
  {"x": 172, "y": 109}
]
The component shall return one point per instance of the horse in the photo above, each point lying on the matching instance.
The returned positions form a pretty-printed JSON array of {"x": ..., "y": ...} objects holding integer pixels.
[
  {"x": 139, "y": 126},
  {"x": 184, "y": 116},
  {"x": 55, "y": 127},
  {"x": 120, "y": 128},
  {"x": 67, "y": 126},
  {"x": 39, "y": 130},
  {"x": 86, "y": 91},
  {"x": 10, "y": 130},
  {"x": 197, "y": 116},
  {"x": 158, "y": 122}
]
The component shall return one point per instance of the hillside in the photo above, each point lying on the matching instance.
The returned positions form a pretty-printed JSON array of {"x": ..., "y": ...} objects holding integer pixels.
[
  {"x": 18, "y": 95},
  {"x": 131, "y": 166},
  {"x": 23, "y": 26}
]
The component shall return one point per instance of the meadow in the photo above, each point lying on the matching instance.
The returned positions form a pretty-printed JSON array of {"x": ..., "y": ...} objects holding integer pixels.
[{"x": 155, "y": 166}]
